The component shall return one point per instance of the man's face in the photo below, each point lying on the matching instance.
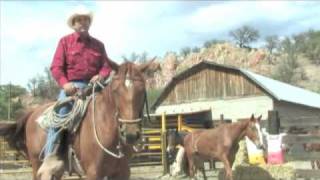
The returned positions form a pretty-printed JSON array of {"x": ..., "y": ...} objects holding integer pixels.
[{"x": 81, "y": 24}]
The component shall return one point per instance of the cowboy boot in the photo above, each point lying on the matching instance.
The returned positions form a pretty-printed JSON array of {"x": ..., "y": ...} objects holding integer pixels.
[{"x": 53, "y": 164}]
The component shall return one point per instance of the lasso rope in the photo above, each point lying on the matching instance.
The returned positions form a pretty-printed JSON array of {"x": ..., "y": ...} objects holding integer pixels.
[{"x": 62, "y": 121}]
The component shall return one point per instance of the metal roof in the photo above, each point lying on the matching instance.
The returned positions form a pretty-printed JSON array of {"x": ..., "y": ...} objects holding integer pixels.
[
  {"x": 283, "y": 91},
  {"x": 278, "y": 90}
]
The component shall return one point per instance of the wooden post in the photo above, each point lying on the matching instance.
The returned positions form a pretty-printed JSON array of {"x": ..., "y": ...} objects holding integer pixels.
[
  {"x": 9, "y": 103},
  {"x": 273, "y": 122},
  {"x": 164, "y": 144},
  {"x": 179, "y": 122},
  {"x": 221, "y": 119}
]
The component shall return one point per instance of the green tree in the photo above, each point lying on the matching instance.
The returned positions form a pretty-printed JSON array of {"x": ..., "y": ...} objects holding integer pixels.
[
  {"x": 272, "y": 43},
  {"x": 9, "y": 95},
  {"x": 152, "y": 95},
  {"x": 185, "y": 51},
  {"x": 44, "y": 86},
  {"x": 195, "y": 50},
  {"x": 212, "y": 42},
  {"x": 288, "y": 70},
  {"x": 312, "y": 50},
  {"x": 244, "y": 35}
]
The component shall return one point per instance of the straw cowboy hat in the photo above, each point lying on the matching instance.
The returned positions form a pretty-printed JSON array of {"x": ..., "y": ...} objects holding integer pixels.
[{"x": 79, "y": 11}]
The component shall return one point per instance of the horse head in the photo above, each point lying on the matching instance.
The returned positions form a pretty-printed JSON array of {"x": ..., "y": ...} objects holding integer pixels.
[
  {"x": 172, "y": 136},
  {"x": 253, "y": 131},
  {"x": 128, "y": 89}
]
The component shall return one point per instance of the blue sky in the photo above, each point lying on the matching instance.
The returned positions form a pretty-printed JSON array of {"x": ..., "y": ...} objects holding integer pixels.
[{"x": 30, "y": 30}]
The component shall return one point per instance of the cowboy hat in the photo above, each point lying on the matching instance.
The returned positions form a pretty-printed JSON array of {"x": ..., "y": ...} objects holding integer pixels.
[{"x": 79, "y": 11}]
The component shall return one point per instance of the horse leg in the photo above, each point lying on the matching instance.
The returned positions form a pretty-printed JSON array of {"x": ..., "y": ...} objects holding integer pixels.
[
  {"x": 203, "y": 172},
  {"x": 231, "y": 158},
  {"x": 227, "y": 167},
  {"x": 35, "y": 164},
  {"x": 124, "y": 173},
  {"x": 191, "y": 167},
  {"x": 212, "y": 164},
  {"x": 318, "y": 164},
  {"x": 312, "y": 162}
]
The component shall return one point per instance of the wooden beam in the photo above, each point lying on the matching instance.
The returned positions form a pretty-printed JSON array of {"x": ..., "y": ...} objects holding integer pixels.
[
  {"x": 301, "y": 122},
  {"x": 301, "y": 139},
  {"x": 307, "y": 173},
  {"x": 164, "y": 144},
  {"x": 179, "y": 122},
  {"x": 273, "y": 122},
  {"x": 304, "y": 156}
]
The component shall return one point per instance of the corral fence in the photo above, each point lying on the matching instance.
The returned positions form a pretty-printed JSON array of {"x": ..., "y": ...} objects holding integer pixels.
[
  {"x": 154, "y": 140},
  {"x": 296, "y": 137}
]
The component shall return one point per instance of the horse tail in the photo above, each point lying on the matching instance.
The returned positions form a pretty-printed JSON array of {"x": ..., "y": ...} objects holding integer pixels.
[{"x": 14, "y": 133}]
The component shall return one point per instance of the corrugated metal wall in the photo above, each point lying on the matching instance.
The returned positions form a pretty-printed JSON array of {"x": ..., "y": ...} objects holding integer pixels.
[{"x": 211, "y": 84}]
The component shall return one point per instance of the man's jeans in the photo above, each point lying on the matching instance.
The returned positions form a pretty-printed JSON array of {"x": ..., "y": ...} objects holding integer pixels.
[{"x": 53, "y": 133}]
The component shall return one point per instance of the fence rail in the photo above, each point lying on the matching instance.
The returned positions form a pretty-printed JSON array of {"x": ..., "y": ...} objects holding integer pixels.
[{"x": 297, "y": 138}]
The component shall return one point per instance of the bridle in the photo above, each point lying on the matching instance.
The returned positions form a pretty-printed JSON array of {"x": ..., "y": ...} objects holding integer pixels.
[{"x": 116, "y": 117}]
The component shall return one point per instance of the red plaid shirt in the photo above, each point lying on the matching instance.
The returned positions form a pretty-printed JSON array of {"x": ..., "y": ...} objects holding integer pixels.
[{"x": 78, "y": 59}]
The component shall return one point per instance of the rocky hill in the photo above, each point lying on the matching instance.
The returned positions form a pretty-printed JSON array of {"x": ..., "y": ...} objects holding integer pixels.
[{"x": 255, "y": 60}]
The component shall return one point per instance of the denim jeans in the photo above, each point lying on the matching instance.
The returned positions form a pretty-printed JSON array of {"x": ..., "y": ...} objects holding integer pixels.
[{"x": 53, "y": 134}]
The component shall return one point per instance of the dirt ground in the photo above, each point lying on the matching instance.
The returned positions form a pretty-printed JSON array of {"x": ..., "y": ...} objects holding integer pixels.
[
  {"x": 155, "y": 172},
  {"x": 137, "y": 173}
]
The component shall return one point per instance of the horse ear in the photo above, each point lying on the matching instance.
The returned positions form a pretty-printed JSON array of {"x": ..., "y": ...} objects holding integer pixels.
[
  {"x": 259, "y": 118},
  {"x": 151, "y": 65},
  {"x": 252, "y": 117},
  {"x": 113, "y": 65}
]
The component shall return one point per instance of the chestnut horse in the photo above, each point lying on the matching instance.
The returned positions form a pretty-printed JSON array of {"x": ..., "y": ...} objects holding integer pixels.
[
  {"x": 219, "y": 144},
  {"x": 118, "y": 113}
]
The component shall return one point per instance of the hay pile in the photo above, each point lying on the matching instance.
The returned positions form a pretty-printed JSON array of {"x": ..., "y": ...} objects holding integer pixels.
[
  {"x": 244, "y": 171},
  {"x": 264, "y": 172}
]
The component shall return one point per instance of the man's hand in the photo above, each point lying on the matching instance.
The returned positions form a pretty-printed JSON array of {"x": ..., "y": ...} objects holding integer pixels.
[
  {"x": 96, "y": 78},
  {"x": 69, "y": 88}
]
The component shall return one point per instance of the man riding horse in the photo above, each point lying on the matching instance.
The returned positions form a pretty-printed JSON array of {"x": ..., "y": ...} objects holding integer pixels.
[{"x": 79, "y": 59}]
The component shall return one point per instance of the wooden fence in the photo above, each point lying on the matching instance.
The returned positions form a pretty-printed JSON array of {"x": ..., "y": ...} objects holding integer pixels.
[
  {"x": 154, "y": 136},
  {"x": 296, "y": 138}
]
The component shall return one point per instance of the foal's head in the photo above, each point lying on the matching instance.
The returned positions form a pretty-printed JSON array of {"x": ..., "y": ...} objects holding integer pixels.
[
  {"x": 253, "y": 131},
  {"x": 128, "y": 89}
]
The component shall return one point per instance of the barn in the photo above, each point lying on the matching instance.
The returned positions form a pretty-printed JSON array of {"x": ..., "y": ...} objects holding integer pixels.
[{"x": 235, "y": 93}]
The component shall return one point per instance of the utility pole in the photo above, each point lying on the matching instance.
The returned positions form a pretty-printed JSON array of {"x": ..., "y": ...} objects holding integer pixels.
[{"x": 9, "y": 103}]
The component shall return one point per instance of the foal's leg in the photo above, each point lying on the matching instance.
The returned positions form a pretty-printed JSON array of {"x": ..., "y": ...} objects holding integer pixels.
[
  {"x": 203, "y": 172},
  {"x": 312, "y": 162},
  {"x": 212, "y": 164},
  {"x": 227, "y": 167},
  {"x": 231, "y": 158},
  {"x": 318, "y": 164},
  {"x": 191, "y": 167}
]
